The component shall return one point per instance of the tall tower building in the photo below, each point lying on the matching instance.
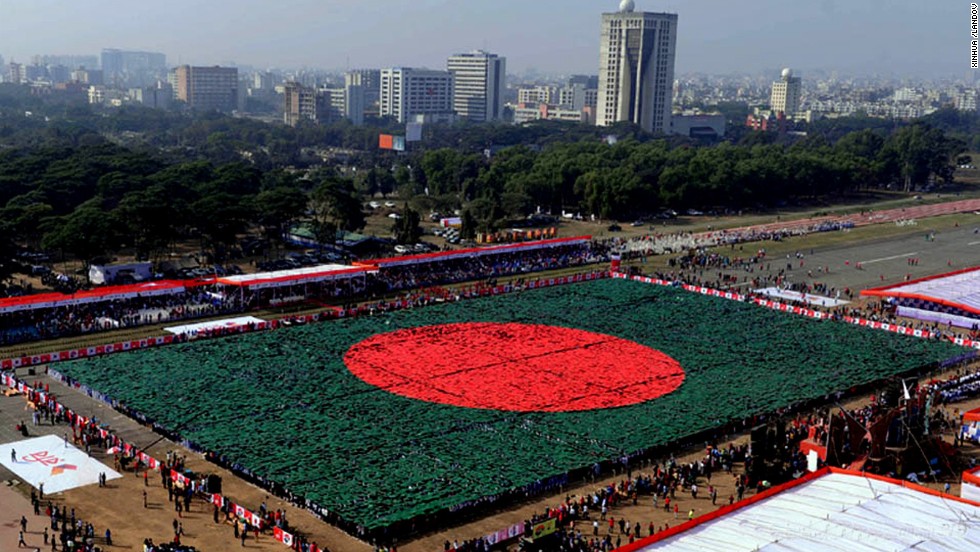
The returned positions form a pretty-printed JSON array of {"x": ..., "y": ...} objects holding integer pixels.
[
  {"x": 636, "y": 68},
  {"x": 207, "y": 88},
  {"x": 785, "y": 97},
  {"x": 478, "y": 93},
  {"x": 407, "y": 93}
]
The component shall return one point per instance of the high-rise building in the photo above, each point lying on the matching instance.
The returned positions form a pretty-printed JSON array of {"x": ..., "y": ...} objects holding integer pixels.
[
  {"x": 333, "y": 103},
  {"x": 478, "y": 85},
  {"x": 207, "y": 88},
  {"x": 636, "y": 68},
  {"x": 408, "y": 94},
  {"x": 362, "y": 89},
  {"x": 785, "y": 97},
  {"x": 299, "y": 103},
  {"x": 132, "y": 68}
]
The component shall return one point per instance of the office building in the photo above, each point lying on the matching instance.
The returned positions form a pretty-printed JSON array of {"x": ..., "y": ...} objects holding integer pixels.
[
  {"x": 785, "y": 97},
  {"x": 525, "y": 113},
  {"x": 68, "y": 60},
  {"x": 157, "y": 96},
  {"x": 478, "y": 85},
  {"x": 536, "y": 95},
  {"x": 362, "y": 90},
  {"x": 132, "y": 68},
  {"x": 333, "y": 104},
  {"x": 636, "y": 68},
  {"x": 92, "y": 77},
  {"x": 417, "y": 95},
  {"x": 207, "y": 88},
  {"x": 709, "y": 126},
  {"x": 300, "y": 103}
]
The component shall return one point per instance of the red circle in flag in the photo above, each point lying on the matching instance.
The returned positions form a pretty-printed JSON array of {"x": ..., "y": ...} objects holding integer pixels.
[{"x": 514, "y": 367}]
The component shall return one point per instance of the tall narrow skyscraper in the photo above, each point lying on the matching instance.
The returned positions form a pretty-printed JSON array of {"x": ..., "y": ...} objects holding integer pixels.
[
  {"x": 636, "y": 68},
  {"x": 478, "y": 93}
]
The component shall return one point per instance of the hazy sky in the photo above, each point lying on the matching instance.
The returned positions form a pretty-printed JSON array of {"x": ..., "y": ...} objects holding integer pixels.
[{"x": 915, "y": 37}]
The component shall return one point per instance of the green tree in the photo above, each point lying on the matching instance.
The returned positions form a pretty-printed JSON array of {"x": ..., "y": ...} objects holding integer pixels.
[
  {"x": 335, "y": 206},
  {"x": 407, "y": 228},
  {"x": 86, "y": 233},
  {"x": 277, "y": 209}
]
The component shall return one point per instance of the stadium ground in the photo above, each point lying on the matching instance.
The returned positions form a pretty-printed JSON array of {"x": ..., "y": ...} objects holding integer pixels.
[
  {"x": 883, "y": 258},
  {"x": 124, "y": 514}
]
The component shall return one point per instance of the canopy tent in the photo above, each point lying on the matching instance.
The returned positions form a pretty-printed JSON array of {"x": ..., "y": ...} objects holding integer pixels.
[
  {"x": 970, "y": 484},
  {"x": 97, "y": 295},
  {"x": 958, "y": 290},
  {"x": 296, "y": 276},
  {"x": 441, "y": 256},
  {"x": 830, "y": 510},
  {"x": 970, "y": 428}
]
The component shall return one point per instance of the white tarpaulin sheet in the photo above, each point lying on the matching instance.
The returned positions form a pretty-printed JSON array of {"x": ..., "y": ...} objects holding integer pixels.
[
  {"x": 49, "y": 460},
  {"x": 807, "y": 298},
  {"x": 838, "y": 512},
  {"x": 192, "y": 329}
]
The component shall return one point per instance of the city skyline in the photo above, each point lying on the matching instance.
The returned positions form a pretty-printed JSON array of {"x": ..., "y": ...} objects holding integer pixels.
[{"x": 716, "y": 37}]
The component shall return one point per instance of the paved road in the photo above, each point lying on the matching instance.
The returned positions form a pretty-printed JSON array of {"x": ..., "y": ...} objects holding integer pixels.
[{"x": 883, "y": 262}]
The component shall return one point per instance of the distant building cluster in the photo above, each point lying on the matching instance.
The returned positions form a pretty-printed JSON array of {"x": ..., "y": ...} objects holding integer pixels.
[{"x": 635, "y": 84}]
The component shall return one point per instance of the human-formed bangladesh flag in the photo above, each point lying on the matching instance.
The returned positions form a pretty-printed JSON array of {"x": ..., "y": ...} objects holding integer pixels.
[{"x": 385, "y": 418}]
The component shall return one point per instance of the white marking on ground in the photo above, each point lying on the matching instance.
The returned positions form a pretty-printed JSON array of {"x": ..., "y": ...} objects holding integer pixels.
[{"x": 893, "y": 257}]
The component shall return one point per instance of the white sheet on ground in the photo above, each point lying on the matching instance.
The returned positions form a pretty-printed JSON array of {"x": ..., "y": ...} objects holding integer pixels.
[
  {"x": 192, "y": 329},
  {"x": 804, "y": 297},
  {"x": 49, "y": 460}
]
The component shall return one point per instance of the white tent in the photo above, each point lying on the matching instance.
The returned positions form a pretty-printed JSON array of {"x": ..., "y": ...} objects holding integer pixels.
[{"x": 831, "y": 510}]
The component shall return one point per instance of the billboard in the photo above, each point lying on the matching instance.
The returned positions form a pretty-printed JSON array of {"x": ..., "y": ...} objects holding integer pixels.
[
  {"x": 413, "y": 132},
  {"x": 399, "y": 143},
  {"x": 386, "y": 141}
]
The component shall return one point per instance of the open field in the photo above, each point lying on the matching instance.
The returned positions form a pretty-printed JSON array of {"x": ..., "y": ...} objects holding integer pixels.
[{"x": 261, "y": 398}]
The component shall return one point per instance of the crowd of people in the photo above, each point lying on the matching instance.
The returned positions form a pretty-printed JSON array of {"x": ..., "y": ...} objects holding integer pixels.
[
  {"x": 596, "y": 521},
  {"x": 43, "y": 322},
  {"x": 65, "y": 532},
  {"x": 46, "y": 322}
]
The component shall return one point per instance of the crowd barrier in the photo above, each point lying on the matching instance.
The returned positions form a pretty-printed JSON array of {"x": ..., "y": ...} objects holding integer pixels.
[{"x": 802, "y": 311}]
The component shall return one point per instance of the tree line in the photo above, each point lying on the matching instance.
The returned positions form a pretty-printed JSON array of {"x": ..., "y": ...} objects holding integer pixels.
[{"x": 88, "y": 183}]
